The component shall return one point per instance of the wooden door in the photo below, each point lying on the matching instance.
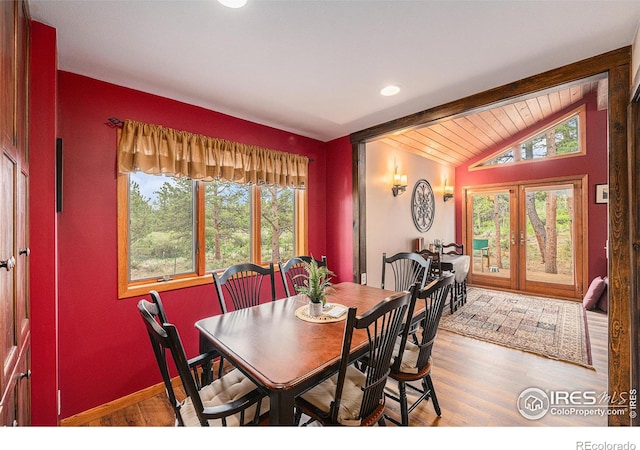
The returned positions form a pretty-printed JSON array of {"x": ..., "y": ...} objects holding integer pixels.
[
  {"x": 15, "y": 396},
  {"x": 552, "y": 256},
  {"x": 491, "y": 228}
]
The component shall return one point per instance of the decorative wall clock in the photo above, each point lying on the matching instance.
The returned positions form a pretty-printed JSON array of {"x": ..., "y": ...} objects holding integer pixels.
[{"x": 423, "y": 205}]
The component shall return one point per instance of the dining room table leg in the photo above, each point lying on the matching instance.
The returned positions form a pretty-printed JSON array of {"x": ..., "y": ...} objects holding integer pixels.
[
  {"x": 281, "y": 408},
  {"x": 207, "y": 369}
]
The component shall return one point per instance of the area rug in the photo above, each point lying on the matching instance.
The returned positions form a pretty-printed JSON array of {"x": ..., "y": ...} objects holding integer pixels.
[{"x": 556, "y": 329}]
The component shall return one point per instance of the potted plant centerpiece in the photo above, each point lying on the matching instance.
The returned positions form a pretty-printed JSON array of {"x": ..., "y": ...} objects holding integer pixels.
[{"x": 315, "y": 286}]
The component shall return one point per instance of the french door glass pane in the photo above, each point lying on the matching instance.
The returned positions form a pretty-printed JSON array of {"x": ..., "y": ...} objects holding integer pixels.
[
  {"x": 491, "y": 232},
  {"x": 549, "y": 234},
  {"x": 161, "y": 226}
]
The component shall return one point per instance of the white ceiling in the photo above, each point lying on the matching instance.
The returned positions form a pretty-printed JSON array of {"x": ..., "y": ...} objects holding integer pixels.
[{"x": 315, "y": 67}]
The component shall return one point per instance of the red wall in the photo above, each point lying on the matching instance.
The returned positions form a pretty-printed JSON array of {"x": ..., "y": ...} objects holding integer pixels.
[
  {"x": 104, "y": 352},
  {"x": 340, "y": 208},
  {"x": 86, "y": 342},
  {"x": 43, "y": 235},
  {"x": 594, "y": 164}
]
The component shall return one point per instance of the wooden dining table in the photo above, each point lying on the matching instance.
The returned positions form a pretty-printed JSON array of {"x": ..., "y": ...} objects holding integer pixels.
[{"x": 282, "y": 353}]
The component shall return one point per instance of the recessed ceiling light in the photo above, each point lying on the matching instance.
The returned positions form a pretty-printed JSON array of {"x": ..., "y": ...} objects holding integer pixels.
[
  {"x": 389, "y": 90},
  {"x": 233, "y": 3}
]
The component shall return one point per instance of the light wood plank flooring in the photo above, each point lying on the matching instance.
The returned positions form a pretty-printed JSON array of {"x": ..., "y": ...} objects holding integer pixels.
[{"x": 477, "y": 384}]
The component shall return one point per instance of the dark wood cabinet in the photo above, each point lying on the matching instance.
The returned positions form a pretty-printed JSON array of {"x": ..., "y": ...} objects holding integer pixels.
[{"x": 15, "y": 330}]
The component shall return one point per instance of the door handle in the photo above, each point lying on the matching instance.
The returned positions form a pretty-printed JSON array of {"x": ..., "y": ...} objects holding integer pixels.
[
  {"x": 8, "y": 263},
  {"x": 26, "y": 251},
  {"x": 513, "y": 238},
  {"x": 522, "y": 238}
]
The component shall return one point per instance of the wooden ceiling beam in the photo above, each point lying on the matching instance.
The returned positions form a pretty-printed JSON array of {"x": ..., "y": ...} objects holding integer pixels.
[{"x": 488, "y": 99}]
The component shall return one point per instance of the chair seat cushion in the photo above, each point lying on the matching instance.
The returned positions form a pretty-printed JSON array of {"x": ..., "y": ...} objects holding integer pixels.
[
  {"x": 409, "y": 362},
  {"x": 323, "y": 394},
  {"x": 230, "y": 387}
]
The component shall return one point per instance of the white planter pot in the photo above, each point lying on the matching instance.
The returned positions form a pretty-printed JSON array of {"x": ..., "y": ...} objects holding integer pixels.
[{"x": 315, "y": 309}]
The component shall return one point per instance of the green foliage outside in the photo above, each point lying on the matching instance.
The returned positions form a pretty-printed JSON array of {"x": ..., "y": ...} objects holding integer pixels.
[
  {"x": 484, "y": 223},
  {"x": 277, "y": 224},
  {"x": 162, "y": 230},
  {"x": 563, "y": 230},
  {"x": 566, "y": 142},
  {"x": 485, "y": 207},
  {"x": 227, "y": 224}
]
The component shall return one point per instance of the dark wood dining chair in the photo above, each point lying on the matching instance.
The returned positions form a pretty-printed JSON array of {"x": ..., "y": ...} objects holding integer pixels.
[
  {"x": 231, "y": 400},
  {"x": 203, "y": 371},
  {"x": 413, "y": 360},
  {"x": 453, "y": 249},
  {"x": 293, "y": 272},
  {"x": 458, "y": 290},
  {"x": 407, "y": 269},
  {"x": 354, "y": 397},
  {"x": 155, "y": 299},
  {"x": 435, "y": 269},
  {"x": 240, "y": 286}
]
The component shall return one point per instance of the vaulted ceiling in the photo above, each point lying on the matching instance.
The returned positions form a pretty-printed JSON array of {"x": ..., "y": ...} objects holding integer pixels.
[{"x": 457, "y": 140}]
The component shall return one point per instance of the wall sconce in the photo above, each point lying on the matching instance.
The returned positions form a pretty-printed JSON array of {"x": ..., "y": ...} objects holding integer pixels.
[
  {"x": 448, "y": 191},
  {"x": 399, "y": 183}
]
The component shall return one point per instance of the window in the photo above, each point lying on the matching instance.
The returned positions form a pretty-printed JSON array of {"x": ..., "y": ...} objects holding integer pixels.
[
  {"x": 162, "y": 230},
  {"x": 174, "y": 231},
  {"x": 565, "y": 137}
]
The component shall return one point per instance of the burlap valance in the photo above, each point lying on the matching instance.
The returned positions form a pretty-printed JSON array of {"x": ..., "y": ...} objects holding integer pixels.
[{"x": 155, "y": 149}]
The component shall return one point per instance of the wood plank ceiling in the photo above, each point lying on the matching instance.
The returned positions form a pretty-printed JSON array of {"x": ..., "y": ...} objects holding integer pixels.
[{"x": 455, "y": 141}]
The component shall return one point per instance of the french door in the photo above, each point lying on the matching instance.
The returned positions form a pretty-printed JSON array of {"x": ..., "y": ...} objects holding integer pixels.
[{"x": 529, "y": 236}]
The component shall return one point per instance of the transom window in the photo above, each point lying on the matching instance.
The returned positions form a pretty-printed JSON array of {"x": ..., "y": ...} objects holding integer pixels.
[
  {"x": 565, "y": 137},
  {"x": 175, "y": 231}
]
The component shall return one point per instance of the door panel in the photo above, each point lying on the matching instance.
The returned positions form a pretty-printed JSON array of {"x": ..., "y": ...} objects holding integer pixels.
[
  {"x": 551, "y": 253},
  {"x": 7, "y": 278},
  {"x": 490, "y": 228},
  {"x": 22, "y": 257},
  {"x": 23, "y": 391},
  {"x": 8, "y": 12}
]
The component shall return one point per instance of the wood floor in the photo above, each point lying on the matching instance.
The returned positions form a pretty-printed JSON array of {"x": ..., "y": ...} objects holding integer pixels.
[{"x": 477, "y": 384}]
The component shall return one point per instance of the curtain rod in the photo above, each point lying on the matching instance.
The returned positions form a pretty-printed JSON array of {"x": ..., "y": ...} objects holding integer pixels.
[{"x": 114, "y": 122}]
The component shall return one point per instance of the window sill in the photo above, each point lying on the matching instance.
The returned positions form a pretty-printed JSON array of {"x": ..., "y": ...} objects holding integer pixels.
[{"x": 134, "y": 290}]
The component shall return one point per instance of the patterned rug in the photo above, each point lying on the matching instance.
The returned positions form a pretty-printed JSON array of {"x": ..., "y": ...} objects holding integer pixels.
[{"x": 556, "y": 329}]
